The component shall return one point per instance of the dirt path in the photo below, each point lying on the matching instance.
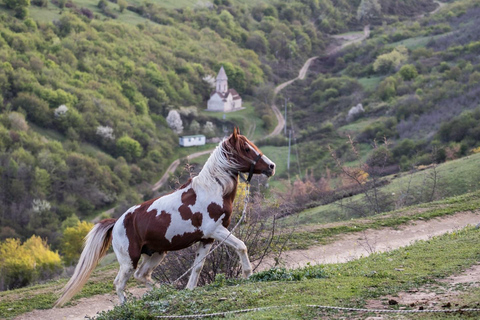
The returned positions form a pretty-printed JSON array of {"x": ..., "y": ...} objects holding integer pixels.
[
  {"x": 355, "y": 245},
  {"x": 445, "y": 293},
  {"x": 334, "y": 48}
]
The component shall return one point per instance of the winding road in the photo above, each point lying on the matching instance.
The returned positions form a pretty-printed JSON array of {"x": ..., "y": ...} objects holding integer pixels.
[{"x": 334, "y": 48}]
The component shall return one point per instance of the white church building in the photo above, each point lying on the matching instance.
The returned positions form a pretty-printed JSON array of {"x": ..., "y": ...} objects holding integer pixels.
[{"x": 224, "y": 99}]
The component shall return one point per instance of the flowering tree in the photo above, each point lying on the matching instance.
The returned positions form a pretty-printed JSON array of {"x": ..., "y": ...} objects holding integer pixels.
[
  {"x": 175, "y": 121},
  {"x": 105, "y": 132}
]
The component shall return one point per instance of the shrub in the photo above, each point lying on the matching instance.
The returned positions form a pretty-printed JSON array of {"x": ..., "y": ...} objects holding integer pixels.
[
  {"x": 129, "y": 148},
  {"x": 22, "y": 264},
  {"x": 387, "y": 89},
  {"x": 386, "y": 62},
  {"x": 408, "y": 72},
  {"x": 72, "y": 241}
]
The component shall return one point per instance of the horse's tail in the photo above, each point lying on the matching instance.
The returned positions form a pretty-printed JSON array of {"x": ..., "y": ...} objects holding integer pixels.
[{"x": 97, "y": 242}]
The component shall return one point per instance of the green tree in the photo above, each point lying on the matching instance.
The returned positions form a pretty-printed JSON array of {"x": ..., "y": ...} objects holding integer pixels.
[
  {"x": 122, "y": 4},
  {"x": 368, "y": 10},
  {"x": 408, "y": 72},
  {"x": 129, "y": 148},
  {"x": 71, "y": 243},
  {"x": 19, "y": 6},
  {"x": 386, "y": 62}
]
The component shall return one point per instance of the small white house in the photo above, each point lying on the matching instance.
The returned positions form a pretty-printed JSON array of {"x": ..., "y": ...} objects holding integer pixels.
[{"x": 190, "y": 141}]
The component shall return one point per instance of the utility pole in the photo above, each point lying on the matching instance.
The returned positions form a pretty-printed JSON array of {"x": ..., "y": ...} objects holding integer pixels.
[
  {"x": 285, "y": 126},
  {"x": 289, "y": 147}
]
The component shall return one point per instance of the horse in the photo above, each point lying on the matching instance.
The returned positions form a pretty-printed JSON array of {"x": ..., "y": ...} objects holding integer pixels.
[{"x": 199, "y": 211}]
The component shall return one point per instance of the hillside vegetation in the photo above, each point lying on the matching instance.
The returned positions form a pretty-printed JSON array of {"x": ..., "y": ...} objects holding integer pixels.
[
  {"x": 418, "y": 83},
  {"x": 85, "y": 97}
]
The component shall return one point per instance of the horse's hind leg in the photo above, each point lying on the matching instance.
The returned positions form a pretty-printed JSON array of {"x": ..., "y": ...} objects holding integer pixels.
[
  {"x": 120, "y": 282},
  {"x": 127, "y": 266},
  {"x": 144, "y": 271},
  {"x": 202, "y": 251}
]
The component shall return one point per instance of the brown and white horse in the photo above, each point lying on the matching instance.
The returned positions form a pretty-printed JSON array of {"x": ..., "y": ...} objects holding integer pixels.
[{"x": 199, "y": 211}]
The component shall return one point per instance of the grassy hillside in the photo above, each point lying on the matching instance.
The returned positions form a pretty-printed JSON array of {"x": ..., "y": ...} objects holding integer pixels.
[
  {"x": 455, "y": 177},
  {"x": 418, "y": 82},
  {"x": 85, "y": 96}
]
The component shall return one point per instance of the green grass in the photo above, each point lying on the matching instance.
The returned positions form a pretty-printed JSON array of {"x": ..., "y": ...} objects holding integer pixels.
[
  {"x": 247, "y": 119},
  {"x": 416, "y": 42},
  {"x": 347, "y": 285},
  {"x": 48, "y": 133},
  {"x": 412, "y": 43},
  {"x": 43, "y": 296},
  {"x": 370, "y": 83},
  {"x": 359, "y": 33}
]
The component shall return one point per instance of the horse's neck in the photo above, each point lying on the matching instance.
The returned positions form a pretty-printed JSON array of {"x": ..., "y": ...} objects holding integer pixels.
[{"x": 218, "y": 173}]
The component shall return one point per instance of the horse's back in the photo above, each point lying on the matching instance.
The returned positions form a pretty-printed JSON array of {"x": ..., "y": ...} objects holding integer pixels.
[{"x": 172, "y": 222}]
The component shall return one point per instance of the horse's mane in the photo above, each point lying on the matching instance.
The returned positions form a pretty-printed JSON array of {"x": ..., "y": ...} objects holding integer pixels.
[{"x": 217, "y": 170}]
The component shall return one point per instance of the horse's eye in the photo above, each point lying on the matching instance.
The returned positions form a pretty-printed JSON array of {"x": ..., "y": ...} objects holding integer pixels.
[{"x": 247, "y": 149}]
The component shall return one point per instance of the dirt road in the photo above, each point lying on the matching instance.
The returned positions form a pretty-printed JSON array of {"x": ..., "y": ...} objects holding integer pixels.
[
  {"x": 334, "y": 48},
  {"x": 355, "y": 245}
]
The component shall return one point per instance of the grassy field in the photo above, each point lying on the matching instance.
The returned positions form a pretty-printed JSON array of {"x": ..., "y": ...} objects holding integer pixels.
[
  {"x": 370, "y": 83},
  {"x": 249, "y": 122}
]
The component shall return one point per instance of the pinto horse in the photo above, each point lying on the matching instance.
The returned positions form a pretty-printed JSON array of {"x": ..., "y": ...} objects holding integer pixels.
[{"x": 199, "y": 211}]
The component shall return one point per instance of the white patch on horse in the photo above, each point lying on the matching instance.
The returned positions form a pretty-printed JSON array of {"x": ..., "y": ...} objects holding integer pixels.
[
  {"x": 120, "y": 241},
  {"x": 267, "y": 161},
  {"x": 170, "y": 204},
  {"x": 204, "y": 199}
]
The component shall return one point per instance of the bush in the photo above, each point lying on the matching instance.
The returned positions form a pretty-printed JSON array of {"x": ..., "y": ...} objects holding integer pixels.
[
  {"x": 408, "y": 72},
  {"x": 387, "y": 89},
  {"x": 72, "y": 241},
  {"x": 129, "y": 148},
  {"x": 36, "y": 108},
  {"x": 386, "y": 62},
  {"x": 22, "y": 264}
]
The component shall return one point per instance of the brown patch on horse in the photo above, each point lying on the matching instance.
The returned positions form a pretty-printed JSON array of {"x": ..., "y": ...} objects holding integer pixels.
[
  {"x": 215, "y": 211},
  {"x": 197, "y": 219},
  {"x": 185, "y": 184},
  {"x": 188, "y": 199},
  {"x": 137, "y": 224},
  {"x": 185, "y": 240}
]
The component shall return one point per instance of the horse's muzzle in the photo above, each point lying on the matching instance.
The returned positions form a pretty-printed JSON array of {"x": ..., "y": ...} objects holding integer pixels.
[{"x": 269, "y": 172}]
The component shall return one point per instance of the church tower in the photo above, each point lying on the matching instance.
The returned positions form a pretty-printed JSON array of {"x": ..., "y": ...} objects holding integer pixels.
[{"x": 222, "y": 81}]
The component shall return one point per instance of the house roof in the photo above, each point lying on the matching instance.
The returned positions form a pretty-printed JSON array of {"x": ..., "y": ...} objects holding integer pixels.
[
  {"x": 221, "y": 74},
  {"x": 224, "y": 95},
  {"x": 194, "y": 136}
]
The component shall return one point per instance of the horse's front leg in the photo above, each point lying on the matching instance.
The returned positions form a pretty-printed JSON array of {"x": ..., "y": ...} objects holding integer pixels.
[
  {"x": 202, "y": 251},
  {"x": 222, "y": 234}
]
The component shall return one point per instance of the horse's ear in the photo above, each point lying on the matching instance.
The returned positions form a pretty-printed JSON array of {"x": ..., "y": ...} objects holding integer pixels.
[{"x": 235, "y": 134}]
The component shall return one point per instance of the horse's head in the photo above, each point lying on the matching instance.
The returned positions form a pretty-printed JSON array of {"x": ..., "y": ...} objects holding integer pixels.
[{"x": 247, "y": 157}]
